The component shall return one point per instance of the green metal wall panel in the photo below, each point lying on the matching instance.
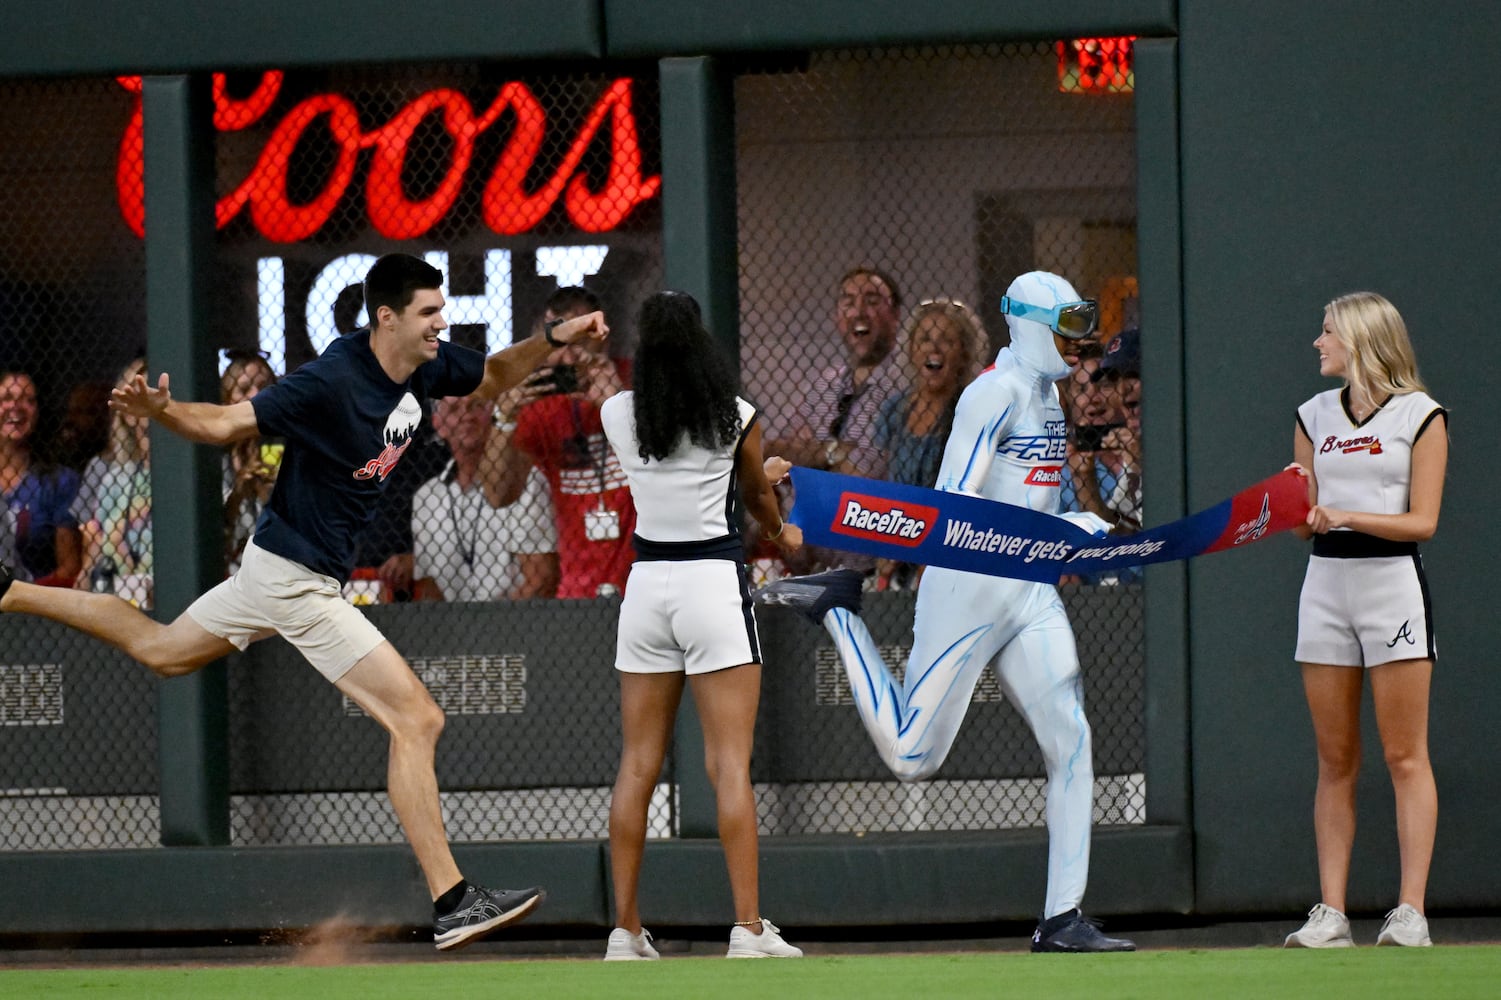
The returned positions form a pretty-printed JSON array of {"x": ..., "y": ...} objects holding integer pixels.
[
  {"x": 166, "y": 36},
  {"x": 686, "y": 26},
  {"x": 1327, "y": 148}
]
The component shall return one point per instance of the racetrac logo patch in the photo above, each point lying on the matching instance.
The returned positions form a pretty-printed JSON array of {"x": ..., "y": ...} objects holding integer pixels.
[
  {"x": 1045, "y": 475},
  {"x": 860, "y": 515}
]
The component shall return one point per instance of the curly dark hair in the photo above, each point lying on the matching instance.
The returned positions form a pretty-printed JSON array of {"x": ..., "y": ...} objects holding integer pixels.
[{"x": 683, "y": 384}]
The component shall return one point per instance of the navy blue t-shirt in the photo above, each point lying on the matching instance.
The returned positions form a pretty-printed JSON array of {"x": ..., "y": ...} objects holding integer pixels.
[{"x": 346, "y": 425}]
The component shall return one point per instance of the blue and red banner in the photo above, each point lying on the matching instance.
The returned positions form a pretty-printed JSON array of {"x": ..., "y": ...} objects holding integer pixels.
[{"x": 968, "y": 533}]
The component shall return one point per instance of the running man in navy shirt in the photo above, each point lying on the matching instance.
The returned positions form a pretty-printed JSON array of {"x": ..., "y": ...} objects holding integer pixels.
[{"x": 347, "y": 418}]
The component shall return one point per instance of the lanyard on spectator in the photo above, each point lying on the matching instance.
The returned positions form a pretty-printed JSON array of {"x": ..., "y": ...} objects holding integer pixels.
[
  {"x": 585, "y": 446},
  {"x": 467, "y": 541}
]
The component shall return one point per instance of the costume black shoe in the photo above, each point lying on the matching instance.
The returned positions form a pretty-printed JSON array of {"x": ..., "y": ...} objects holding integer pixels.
[
  {"x": 811, "y": 596},
  {"x": 480, "y": 912},
  {"x": 1072, "y": 931}
]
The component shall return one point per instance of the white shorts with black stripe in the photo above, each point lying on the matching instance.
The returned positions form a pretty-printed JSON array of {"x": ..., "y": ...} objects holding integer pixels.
[
  {"x": 1365, "y": 612},
  {"x": 686, "y": 615}
]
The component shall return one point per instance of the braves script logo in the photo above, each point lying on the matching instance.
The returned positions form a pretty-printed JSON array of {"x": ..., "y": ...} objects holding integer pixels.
[
  {"x": 878, "y": 519},
  {"x": 400, "y": 426},
  {"x": 1046, "y": 475},
  {"x": 1254, "y": 529},
  {"x": 1370, "y": 443}
]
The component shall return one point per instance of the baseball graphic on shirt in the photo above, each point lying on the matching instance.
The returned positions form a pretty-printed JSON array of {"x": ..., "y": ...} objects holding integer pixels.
[{"x": 403, "y": 421}]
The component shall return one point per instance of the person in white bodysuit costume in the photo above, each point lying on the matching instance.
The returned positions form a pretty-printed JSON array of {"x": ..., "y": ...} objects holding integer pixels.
[{"x": 1007, "y": 444}]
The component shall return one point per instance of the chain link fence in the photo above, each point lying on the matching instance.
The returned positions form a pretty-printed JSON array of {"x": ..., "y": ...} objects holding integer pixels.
[{"x": 950, "y": 170}]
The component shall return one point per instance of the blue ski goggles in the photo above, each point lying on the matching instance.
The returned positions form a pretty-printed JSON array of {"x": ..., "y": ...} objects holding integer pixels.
[{"x": 1072, "y": 320}]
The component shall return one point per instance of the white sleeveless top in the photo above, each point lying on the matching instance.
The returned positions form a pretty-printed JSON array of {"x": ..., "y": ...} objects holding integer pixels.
[
  {"x": 687, "y": 497},
  {"x": 1366, "y": 466}
]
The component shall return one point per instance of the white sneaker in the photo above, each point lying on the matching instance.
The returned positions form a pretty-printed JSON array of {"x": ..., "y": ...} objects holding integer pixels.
[
  {"x": 627, "y": 947},
  {"x": 767, "y": 944},
  {"x": 1407, "y": 927},
  {"x": 1326, "y": 928}
]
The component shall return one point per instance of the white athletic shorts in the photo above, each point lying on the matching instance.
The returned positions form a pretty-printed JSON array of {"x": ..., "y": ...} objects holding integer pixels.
[
  {"x": 1365, "y": 612},
  {"x": 686, "y": 615},
  {"x": 271, "y": 594}
]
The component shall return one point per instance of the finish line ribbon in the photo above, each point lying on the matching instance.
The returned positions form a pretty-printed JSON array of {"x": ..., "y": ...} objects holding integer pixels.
[{"x": 930, "y": 528}]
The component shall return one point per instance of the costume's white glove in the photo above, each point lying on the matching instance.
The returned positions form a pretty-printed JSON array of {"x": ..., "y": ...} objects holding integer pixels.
[{"x": 1092, "y": 523}]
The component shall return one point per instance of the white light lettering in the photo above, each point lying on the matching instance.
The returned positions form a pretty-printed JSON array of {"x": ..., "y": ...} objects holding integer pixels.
[{"x": 570, "y": 265}]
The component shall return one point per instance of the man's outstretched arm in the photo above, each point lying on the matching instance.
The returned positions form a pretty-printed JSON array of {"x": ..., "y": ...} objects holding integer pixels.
[
  {"x": 509, "y": 366},
  {"x": 205, "y": 423}
]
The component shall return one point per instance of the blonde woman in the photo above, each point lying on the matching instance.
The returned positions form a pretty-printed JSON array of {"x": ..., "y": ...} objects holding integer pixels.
[
  {"x": 946, "y": 346},
  {"x": 1374, "y": 452}
]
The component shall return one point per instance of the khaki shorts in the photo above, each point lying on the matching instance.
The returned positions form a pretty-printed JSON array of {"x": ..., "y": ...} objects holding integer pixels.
[{"x": 271, "y": 594}]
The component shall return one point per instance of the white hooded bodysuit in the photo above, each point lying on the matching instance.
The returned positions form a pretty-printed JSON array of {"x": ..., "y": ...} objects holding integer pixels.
[{"x": 1008, "y": 444}]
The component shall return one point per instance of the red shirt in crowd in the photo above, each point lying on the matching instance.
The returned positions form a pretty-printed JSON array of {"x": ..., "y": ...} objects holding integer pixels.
[{"x": 595, "y": 514}]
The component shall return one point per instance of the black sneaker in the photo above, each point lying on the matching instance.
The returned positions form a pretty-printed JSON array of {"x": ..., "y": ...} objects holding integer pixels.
[
  {"x": 811, "y": 596},
  {"x": 481, "y": 911},
  {"x": 1072, "y": 931}
]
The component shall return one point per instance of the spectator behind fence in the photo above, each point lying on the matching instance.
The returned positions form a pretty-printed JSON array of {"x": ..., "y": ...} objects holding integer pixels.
[
  {"x": 687, "y": 441},
  {"x": 1120, "y": 369},
  {"x": 463, "y": 549},
  {"x": 835, "y": 424},
  {"x": 113, "y": 507},
  {"x": 250, "y": 466},
  {"x": 553, "y": 425},
  {"x": 84, "y": 431},
  {"x": 1103, "y": 476},
  {"x": 39, "y": 537},
  {"x": 945, "y": 346}
]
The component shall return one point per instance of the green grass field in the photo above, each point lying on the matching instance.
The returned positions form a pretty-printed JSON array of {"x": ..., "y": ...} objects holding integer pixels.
[{"x": 1359, "y": 974}]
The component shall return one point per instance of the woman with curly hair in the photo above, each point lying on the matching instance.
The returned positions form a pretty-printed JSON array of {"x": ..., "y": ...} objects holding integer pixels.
[{"x": 686, "y": 441}]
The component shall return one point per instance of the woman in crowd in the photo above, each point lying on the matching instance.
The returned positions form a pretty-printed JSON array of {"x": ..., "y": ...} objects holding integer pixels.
[
  {"x": 39, "y": 538},
  {"x": 946, "y": 347},
  {"x": 113, "y": 508},
  {"x": 250, "y": 466},
  {"x": 684, "y": 439},
  {"x": 1374, "y": 452}
]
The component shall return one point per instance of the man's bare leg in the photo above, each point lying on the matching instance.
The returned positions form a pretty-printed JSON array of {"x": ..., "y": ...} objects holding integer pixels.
[
  {"x": 168, "y": 650},
  {"x": 383, "y": 684}
]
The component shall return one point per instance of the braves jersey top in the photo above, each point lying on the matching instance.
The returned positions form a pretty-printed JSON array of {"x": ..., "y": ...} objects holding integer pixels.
[
  {"x": 1008, "y": 439},
  {"x": 346, "y": 425},
  {"x": 686, "y": 500},
  {"x": 1365, "y": 466}
]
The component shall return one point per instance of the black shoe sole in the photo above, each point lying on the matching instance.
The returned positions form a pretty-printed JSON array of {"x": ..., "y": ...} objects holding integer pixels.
[{"x": 473, "y": 932}]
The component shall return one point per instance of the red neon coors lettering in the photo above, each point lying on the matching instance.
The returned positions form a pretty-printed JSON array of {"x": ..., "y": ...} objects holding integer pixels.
[{"x": 505, "y": 206}]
